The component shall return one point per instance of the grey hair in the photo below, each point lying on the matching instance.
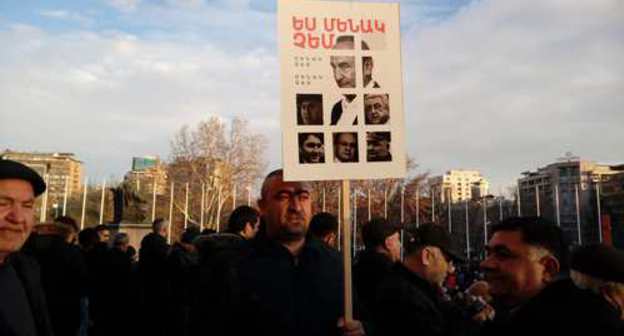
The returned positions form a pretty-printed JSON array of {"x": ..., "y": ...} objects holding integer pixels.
[{"x": 121, "y": 238}]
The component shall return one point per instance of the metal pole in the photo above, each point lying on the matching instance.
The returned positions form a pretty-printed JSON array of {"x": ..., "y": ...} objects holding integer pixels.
[
  {"x": 170, "y": 213},
  {"x": 500, "y": 208},
  {"x": 599, "y": 211},
  {"x": 219, "y": 210},
  {"x": 102, "y": 201},
  {"x": 578, "y": 215},
  {"x": 467, "y": 233},
  {"x": 402, "y": 206},
  {"x": 202, "y": 205},
  {"x": 485, "y": 231},
  {"x": 65, "y": 195},
  {"x": 417, "y": 207},
  {"x": 385, "y": 203},
  {"x": 369, "y": 205},
  {"x": 249, "y": 196},
  {"x": 186, "y": 205},
  {"x": 558, "y": 211},
  {"x": 323, "y": 193},
  {"x": 519, "y": 211},
  {"x": 233, "y": 197},
  {"x": 154, "y": 200},
  {"x": 44, "y": 201},
  {"x": 537, "y": 201},
  {"x": 432, "y": 206},
  {"x": 450, "y": 219},
  {"x": 84, "y": 204}
]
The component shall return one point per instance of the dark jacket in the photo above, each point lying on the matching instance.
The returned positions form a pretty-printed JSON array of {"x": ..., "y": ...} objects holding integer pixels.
[
  {"x": 283, "y": 295},
  {"x": 559, "y": 309},
  {"x": 369, "y": 270},
  {"x": 181, "y": 266},
  {"x": 406, "y": 302},
  {"x": 63, "y": 276},
  {"x": 154, "y": 284},
  {"x": 28, "y": 272}
]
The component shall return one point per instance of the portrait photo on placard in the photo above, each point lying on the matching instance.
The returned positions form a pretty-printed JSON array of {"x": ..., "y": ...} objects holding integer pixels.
[
  {"x": 378, "y": 147},
  {"x": 368, "y": 68},
  {"x": 345, "y": 147},
  {"x": 309, "y": 109},
  {"x": 311, "y": 148},
  {"x": 376, "y": 109}
]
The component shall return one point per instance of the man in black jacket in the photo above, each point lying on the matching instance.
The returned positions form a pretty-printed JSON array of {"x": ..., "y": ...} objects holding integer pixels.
[
  {"x": 23, "y": 309},
  {"x": 290, "y": 285},
  {"x": 410, "y": 298},
  {"x": 526, "y": 256}
]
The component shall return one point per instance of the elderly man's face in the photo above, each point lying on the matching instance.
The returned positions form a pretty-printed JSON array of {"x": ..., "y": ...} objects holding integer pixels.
[
  {"x": 287, "y": 209},
  {"x": 344, "y": 70},
  {"x": 346, "y": 145},
  {"x": 17, "y": 214},
  {"x": 513, "y": 269},
  {"x": 376, "y": 110},
  {"x": 312, "y": 150},
  {"x": 377, "y": 149}
]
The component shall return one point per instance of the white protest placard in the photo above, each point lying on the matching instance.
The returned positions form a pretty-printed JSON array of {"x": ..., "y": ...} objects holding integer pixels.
[{"x": 341, "y": 90}]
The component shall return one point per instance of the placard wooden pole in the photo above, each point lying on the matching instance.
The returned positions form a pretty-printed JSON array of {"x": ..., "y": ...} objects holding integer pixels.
[{"x": 346, "y": 254}]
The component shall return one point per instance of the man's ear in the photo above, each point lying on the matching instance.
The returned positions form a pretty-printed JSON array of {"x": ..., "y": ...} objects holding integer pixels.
[
  {"x": 426, "y": 256},
  {"x": 551, "y": 268},
  {"x": 261, "y": 205}
]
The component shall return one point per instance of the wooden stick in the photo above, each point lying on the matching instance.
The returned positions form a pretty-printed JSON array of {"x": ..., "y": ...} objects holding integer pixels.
[{"x": 346, "y": 251}]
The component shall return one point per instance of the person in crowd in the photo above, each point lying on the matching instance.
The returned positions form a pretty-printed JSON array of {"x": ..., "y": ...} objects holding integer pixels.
[
  {"x": 411, "y": 298},
  {"x": 244, "y": 221},
  {"x": 104, "y": 233},
  {"x": 182, "y": 267},
  {"x": 72, "y": 225},
  {"x": 121, "y": 290},
  {"x": 600, "y": 269},
  {"x": 345, "y": 147},
  {"x": 376, "y": 109},
  {"x": 290, "y": 285},
  {"x": 324, "y": 226},
  {"x": 311, "y": 148},
  {"x": 219, "y": 257},
  {"x": 382, "y": 249},
  {"x": 525, "y": 264},
  {"x": 345, "y": 111},
  {"x": 23, "y": 308},
  {"x": 153, "y": 278},
  {"x": 63, "y": 274}
]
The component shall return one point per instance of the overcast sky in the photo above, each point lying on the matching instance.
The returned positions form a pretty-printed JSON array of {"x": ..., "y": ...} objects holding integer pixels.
[{"x": 499, "y": 86}]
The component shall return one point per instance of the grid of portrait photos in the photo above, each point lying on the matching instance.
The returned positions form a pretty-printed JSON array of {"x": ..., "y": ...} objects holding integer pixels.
[{"x": 362, "y": 97}]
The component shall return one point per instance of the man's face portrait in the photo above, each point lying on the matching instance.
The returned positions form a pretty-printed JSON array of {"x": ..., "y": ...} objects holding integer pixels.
[
  {"x": 344, "y": 66},
  {"x": 311, "y": 148},
  {"x": 345, "y": 147},
  {"x": 310, "y": 108},
  {"x": 378, "y": 146},
  {"x": 287, "y": 209},
  {"x": 17, "y": 214},
  {"x": 514, "y": 269},
  {"x": 376, "y": 109}
]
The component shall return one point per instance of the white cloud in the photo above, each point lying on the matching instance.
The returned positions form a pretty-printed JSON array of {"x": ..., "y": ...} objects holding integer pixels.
[
  {"x": 124, "y": 5},
  {"x": 110, "y": 96},
  {"x": 67, "y": 16},
  {"x": 506, "y": 86}
]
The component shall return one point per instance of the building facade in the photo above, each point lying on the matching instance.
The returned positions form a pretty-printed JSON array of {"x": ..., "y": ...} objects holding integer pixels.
[
  {"x": 62, "y": 171},
  {"x": 147, "y": 173},
  {"x": 458, "y": 185},
  {"x": 566, "y": 192}
]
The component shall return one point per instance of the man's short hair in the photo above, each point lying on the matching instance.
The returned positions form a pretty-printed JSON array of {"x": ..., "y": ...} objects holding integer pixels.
[
  {"x": 267, "y": 180},
  {"x": 322, "y": 224},
  {"x": 240, "y": 217},
  {"x": 538, "y": 232},
  {"x": 159, "y": 224},
  {"x": 385, "y": 99},
  {"x": 102, "y": 227},
  {"x": 68, "y": 221},
  {"x": 375, "y": 232},
  {"x": 121, "y": 238},
  {"x": 87, "y": 238}
]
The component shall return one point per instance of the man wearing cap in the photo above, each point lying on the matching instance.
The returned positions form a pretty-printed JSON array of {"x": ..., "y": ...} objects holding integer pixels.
[
  {"x": 600, "y": 269},
  {"x": 410, "y": 299},
  {"x": 382, "y": 249},
  {"x": 23, "y": 310},
  {"x": 526, "y": 257}
]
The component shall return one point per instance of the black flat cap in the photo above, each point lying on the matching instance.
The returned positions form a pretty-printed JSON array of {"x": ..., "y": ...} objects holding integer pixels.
[
  {"x": 432, "y": 235},
  {"x": 375, "y": 232},
  {"x": 599, "y": 261},
  {"x": 14, "y": 170}
]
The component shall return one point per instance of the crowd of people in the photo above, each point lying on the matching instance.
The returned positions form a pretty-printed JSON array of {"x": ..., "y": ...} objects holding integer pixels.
[{"x": 276, "y": 270}]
